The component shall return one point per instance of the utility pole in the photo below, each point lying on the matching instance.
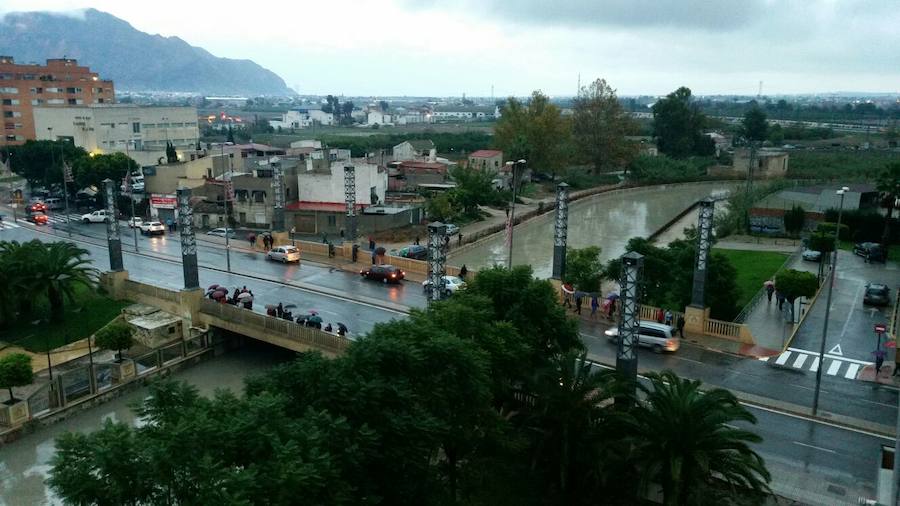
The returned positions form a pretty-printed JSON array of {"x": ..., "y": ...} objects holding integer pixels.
[{"x": 130, "y": 193}]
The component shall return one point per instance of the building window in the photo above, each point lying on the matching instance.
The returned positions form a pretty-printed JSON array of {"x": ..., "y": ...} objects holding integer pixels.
[
  {"x": 10, "y": 101},
  {"x": 242, "y": 217},
  {"x": 37, "y": 101},
  {"x": 259, "y": 197},
  {"x": 56, "y": 101},
  {"x": 53, "y": 90},
  {"x": 136, "y": 127},
  {"x": 14, "y": 91},
  {"x": 7, "y": 114},
  {"x": 73, "y": 90},
  {"x": 9, "y": 126},
  {"x": 332, "y": 220}
]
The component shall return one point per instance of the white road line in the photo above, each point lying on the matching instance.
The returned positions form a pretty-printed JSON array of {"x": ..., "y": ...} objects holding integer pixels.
[
  {"x": 856, "y": 297},
  {"x": 851, "y": 371},
  {"x": 783, "y": 358},
  {"x": 762, "y": 359},
  {"x": 815, "y": 365},
  {"x": 834, "y": 367},
  {"x": 833, "y": 357},
  {"x": 801, "y": 359},
  {"x": 814, "y": 447}
]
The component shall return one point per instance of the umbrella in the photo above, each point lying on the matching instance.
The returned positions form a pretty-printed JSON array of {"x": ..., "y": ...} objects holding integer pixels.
[
  {"x": 289, "y": 306},
  {"x": 221, "y": 291},
  {"x": 218, "y": 295},
  {"x": 244, "y": 296},
  {"x": 768, "y": 283},
  {"x": 341, "y": 326},
  {"x": 314, "y": 319},
  {"x": 380, "y": 250},
  {"x": 213, "y": 287},
  {"x": 612, "y": 296},
  {"x": 313, "y": 311},
  {"x": 271, "y": 306}
]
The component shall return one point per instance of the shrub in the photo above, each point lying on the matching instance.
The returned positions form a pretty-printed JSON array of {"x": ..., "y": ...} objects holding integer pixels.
[
  {"x": 115, "y": 336},
  {"x": 15, "y": 371}
]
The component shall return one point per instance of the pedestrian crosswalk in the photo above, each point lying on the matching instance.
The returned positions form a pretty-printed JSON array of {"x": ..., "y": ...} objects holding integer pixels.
[
  {"x": 834, "y": 365},
  {"x": 8, "y": 224},
  {"x": 53, "y": 219}
]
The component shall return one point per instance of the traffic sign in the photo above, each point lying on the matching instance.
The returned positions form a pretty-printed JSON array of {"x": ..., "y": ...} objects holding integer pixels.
[{"x": 880, "y": 328}]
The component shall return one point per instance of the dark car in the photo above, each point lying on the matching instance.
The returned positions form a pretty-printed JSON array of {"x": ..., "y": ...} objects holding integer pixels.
[
  {"x": 877, "y": 295},
  {"x": 871, "y": 251},
  {"x": 414, "y": 251},
  {"x": 383, "y": 273}
]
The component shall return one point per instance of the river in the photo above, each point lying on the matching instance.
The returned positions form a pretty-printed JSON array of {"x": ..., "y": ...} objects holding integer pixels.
[
  {"x": 607, "y": 220},
  {"x": 25, "y": 464}
]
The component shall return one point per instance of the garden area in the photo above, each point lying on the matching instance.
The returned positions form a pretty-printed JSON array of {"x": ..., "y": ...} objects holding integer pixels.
[{"x": 752, "y": 268}]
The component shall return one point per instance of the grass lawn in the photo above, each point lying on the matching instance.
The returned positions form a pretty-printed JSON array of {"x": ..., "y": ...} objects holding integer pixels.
[
  {"x": 753, "y": 269},
  {"x": 83, "y": 317}
]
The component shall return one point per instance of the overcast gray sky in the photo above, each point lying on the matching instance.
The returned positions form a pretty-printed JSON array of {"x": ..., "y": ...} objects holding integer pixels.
[{"x": 450, "y": 47}]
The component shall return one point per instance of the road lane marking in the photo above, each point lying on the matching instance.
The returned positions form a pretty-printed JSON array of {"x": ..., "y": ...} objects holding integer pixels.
[
  {"x": 783, "y": 358},
  {"x": 856, "y": 297},
  {"x": 815, "y": 365},
  {"x": 836, "y": 350},
  {"x": 851, "y": 371},
  {"x": 833, "y": 357},
  {"x": 814, "y": 447},
  {"x": 762, "y": 359},
  {"x": 834, "y": 367},
  {"x": 801, "y": 358}
]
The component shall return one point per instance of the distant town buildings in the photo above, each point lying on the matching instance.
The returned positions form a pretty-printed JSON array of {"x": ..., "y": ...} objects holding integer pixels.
[
  {"x": 303, "y": 118},
  {"x": 420, "y": 149},
  {"x": 465, "y": 113},
  {"x": 486, "y": 159},
  {"x": 60, "y": 83}
]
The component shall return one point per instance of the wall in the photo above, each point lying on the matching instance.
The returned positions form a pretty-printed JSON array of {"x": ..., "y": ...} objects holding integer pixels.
[
  {"x": 324, "y": 187},
  {"x": 169, "y": 177}
]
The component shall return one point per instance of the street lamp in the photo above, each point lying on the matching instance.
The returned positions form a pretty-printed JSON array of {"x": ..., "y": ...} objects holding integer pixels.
[
  {"x": 837, "y": 233},
  {"x": 130, "y": 193},
  {"x": 227, "y": 185},
  {"x": 512, "y": 212}
]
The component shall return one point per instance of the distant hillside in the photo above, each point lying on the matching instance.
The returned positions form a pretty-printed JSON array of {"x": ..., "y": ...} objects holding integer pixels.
[{"x": 135, "y": 60}]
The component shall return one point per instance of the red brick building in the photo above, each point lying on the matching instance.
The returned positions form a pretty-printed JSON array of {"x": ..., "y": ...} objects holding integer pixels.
[{"x": 60, "y": 83}]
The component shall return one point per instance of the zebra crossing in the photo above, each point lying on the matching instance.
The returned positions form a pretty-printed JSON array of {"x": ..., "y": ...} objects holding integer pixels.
[
  {"x": 53, "y": 219},
  {"x": 833, "y": 365}
]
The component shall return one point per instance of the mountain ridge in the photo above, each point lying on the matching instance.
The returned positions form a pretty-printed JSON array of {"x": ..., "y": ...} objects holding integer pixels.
[{"x": 165, "y": 64}]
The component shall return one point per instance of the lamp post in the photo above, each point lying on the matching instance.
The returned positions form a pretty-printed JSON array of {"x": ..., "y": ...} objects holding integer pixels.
[
  {"x": 512, "y": 212},
  {"x": 130, "y": 193},
  {"x": 837, "y": 233},
  {"x": 226, "y": 183}
]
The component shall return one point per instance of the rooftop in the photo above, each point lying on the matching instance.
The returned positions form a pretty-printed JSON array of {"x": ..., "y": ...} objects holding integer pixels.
[{"x": 486, "y": 153}]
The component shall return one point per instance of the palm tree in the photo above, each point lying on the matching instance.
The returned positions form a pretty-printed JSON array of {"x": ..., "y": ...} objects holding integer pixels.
[
  {"x": 61, "y": 267},
  {"x": 685, "y": 441},
  {"x": 18, "y": 270},
  {"x": 574, "y": 425}
]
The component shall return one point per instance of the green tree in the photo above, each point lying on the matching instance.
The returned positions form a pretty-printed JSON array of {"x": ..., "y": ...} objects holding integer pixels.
[
  {"x": 474, "y": 187},
  {"x": 15, "y": 371},
  {"x": 534, "y": 131},
  {"x": 685, "y": 440},
  {"x": 230, "y": 136},
  {"x": 40, "y": 162},
  {"x": 584, "y": 269},
  {"x": 600, "y": 127},
  {"x": 754, "y": 126},
  {"x": 93, "y": 170},
  {"x": 794, "y": 220},
  {"x": 776, "y": 134},
  {"x": 20, "y": 270},
  {"x": 115, "y": 337},
  {"x": 794, "y": 284},
  {"x": 60, "y": 268},
  {"x": 384, "y": 105},
  {"x": 440, "y": 208},
  {"x": 888, "y": 185},
  {"x": 678, "y": 125}
]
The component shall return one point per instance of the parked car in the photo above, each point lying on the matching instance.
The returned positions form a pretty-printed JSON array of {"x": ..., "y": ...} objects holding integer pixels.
[
  {"x": 38, "y": 218},
  {"x": 220, "y": 232},
  {"x": 413, "y": 251},
  {"x": 877, "y": 294},
  {"x": 55, "y": 203},
  {"x": 652, "y": 335},
  {"x": 284, "y": 254},
  {"x": 452, "y": 229},
  {"x": 383, "y": 273},
  {"x": 812, "y": 255},
  {"x": 871, "y": 251},
  {"x": 152, "y": 228},
  {"x": 452, "y": 284},
  {"x": 95, "y": 217},
  {"x": 135, "y": 222}
]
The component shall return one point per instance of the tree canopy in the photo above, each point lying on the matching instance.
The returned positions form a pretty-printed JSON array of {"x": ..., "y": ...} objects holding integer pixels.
[
  {"x": 584, "y": 269},
  {"x": 678, "y": 126},
  {"x": 15, "y": 371},
  {"x": 600, "y": 127},
  {"x": 116, "y": 336},
  {"x": 534, "y": 131},
  {"x": 754, "y": 126}
]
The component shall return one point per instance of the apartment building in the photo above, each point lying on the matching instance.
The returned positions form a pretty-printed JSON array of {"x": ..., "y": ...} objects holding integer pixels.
[{"x": 60, "y": 83}]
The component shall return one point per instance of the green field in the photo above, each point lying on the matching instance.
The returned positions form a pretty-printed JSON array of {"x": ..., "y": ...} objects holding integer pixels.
[
  {"x": 86, "y": 315},
  {"x": 844, "y": 164},
  {"x": 753, "y": 269}
]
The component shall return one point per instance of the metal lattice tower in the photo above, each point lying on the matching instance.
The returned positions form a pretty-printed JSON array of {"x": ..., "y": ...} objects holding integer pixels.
[
  {"x": 278, "y": 190},
  {"x": 704, "y": 243},
  {"x": 560, "y": 230},
  {"x": 629, "y": 311},
  {"x": 350, "y": 199},
  {"x": 188, "y": 241},
  {"x": 114, "y": 243},
  {"x": 437, "y": 259}
]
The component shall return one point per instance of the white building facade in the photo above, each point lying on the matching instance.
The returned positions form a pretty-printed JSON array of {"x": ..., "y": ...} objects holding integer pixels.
[
  {"x": 328, "y": 186},
  {"x": 303, "y": 118}
]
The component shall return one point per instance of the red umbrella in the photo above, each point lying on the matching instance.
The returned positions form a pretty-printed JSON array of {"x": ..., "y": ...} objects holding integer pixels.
[
  {"x": 219, "y": 295},
  {"x": 212, "y": 287}
]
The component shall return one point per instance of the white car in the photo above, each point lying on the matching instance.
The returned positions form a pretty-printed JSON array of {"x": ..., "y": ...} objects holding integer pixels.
[
  {"x": 135, "y": 222},
  {"x": 653, "y": 335},
  {"x": 152, "y": 228},
  {"x": 451, "y": 283},
  {"x": 220, "y": 232},
  {"x": 452, "y": 229},
  {"x": 284, "y": 254},
  {"x": 95, "y": 217}
]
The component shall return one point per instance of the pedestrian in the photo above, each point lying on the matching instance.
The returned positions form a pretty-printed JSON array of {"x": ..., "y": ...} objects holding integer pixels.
[
  {"x": 462, "y": 272},
  {"x": 780, "y": 297},
  {"x": 567, "y": 291},
  {"x": 612, "y": 309},
  {"x": 373, "y": 257},
  {"x": 234, "y": 297},
  {"x": 578, "y": 297},
  {"x": 507, "y": 212},
  {"x": 279, "y": 311},
  {"x": 244, "y": 289},
  {"x": 324, "y": 238},
  {"x": 595, "y": 304},
  {"x": 169, "y": 225},
  {"x": 459, "y": 240},
  {"x": 417, "y": 241},
  {"x": 770, "y": 289},
  {"x": 371, "y": 243},
  {"x": 660, "y": 315},
  {"x": 252, "y": 240},
  {"x": 879, "y": 361},
  {"x": 342, "y": 234},
  {"x": 668, "y": 317},
  {"x": 681, "y": 327}
]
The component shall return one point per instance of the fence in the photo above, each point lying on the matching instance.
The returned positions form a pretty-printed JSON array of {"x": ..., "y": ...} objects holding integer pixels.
[
  {"x": 151, "y": 291},
  {"x": 728, "y": 330},
  {"x": 266, "y": 327}
]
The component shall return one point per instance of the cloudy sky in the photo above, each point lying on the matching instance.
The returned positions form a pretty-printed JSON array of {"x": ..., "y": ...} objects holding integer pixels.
[{"x": 450, "y": 47}]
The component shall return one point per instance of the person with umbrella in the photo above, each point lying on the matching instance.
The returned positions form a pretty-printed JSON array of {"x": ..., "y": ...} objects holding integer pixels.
[
  {"x": 770, "y": 289},
  {"x": 251, "y": 238},
  {"x": 279, "y": 310},
  {"x": 342, "y": 329},
  {"x": 246, "y": 299}
]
